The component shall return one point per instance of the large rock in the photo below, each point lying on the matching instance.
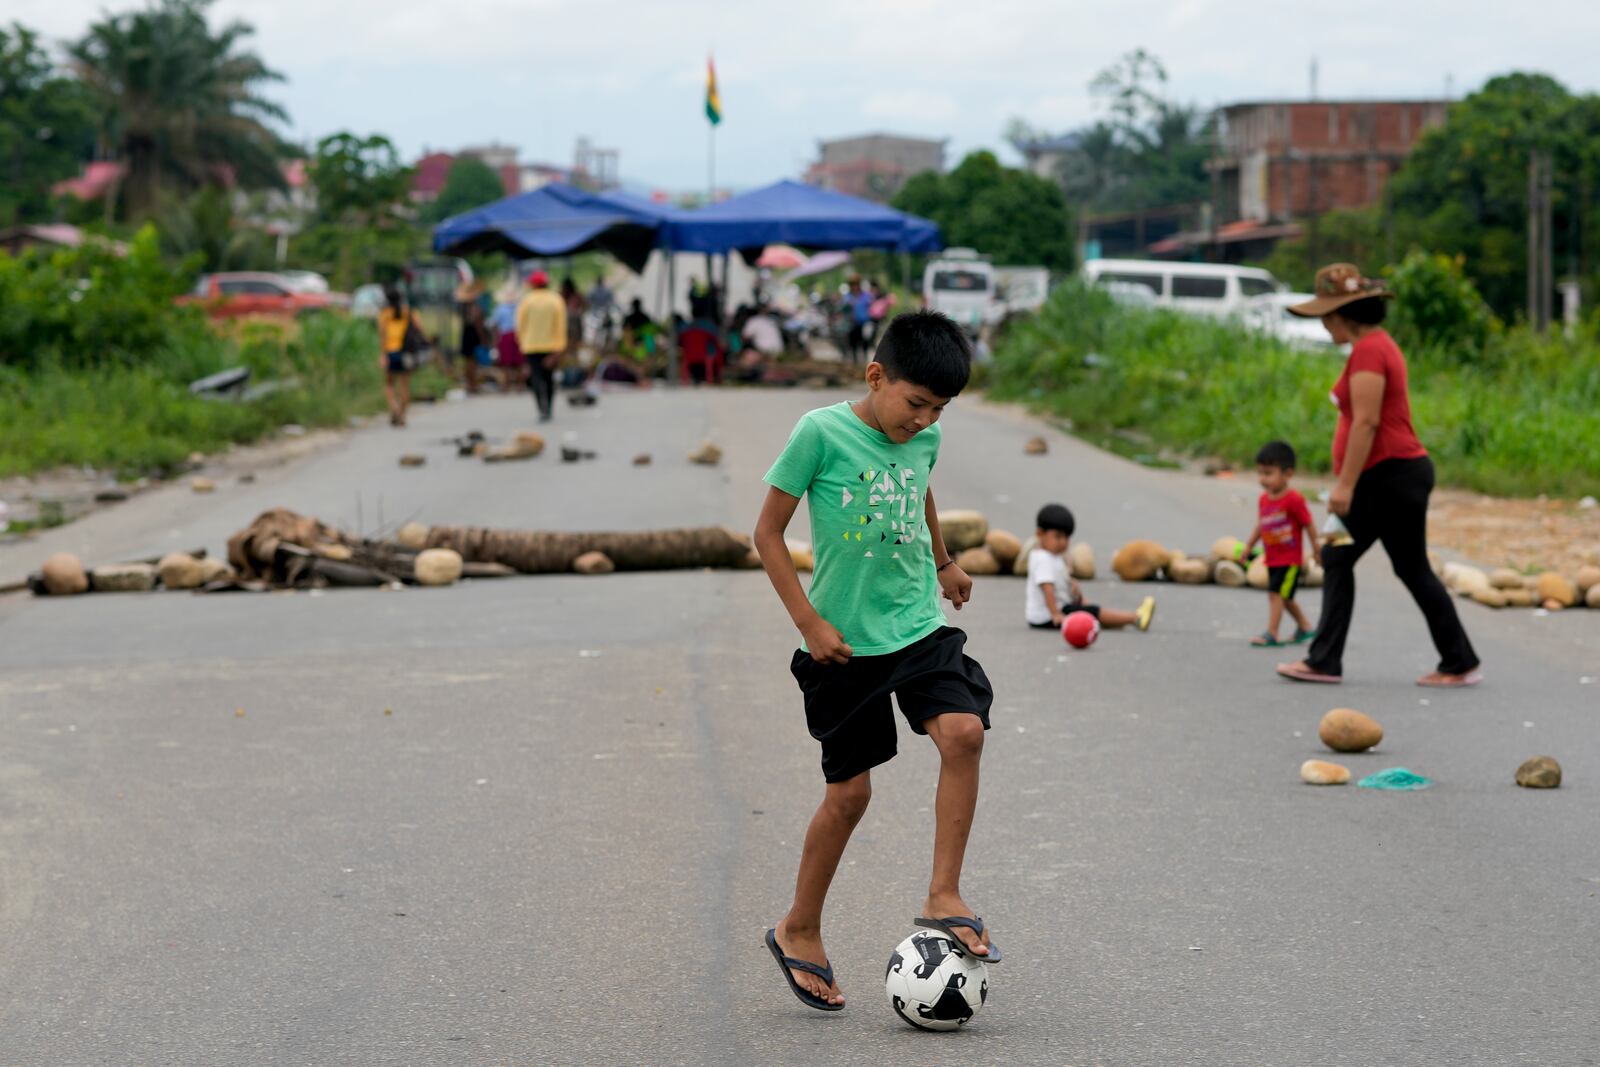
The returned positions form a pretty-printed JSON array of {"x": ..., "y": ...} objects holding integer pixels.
[
  {"x": 800, "y": 555},
  {"x": 438, "y": 566},
  {"x": 413, "y": 535},
  {"x": 1557, "y": 587},
  {"x": 1138, "y": 561},
  {"x": 963, "y": 529},
  {"x": 1491, "y": 597},
  {"x": 1464, "y": 580},
  {"x": 1519, "y": 598},
  {"x": 1036, "y": 446},
  {"x": 1080, "y": 562},
  {"x": 213, "y": 569},
  {"x": 1228, "y": 573},
  {"x": 708, "y": 454},
  {"x": 64, "y": 575},
  {"x": 413, "y": 459},
  {"x": 123, "y": 578},
  {"x": 1005, "y": 547},
  {"x": 1592, "y": 597},
  {"x": 527, "y": 443},
  {"x": 1190, "y": 571},
  {"x": 1588, "y": 577},
  {"x": 1257, "y": 573},
  {"x": 1020, "y": 566},
  {"x": 593, "y": 563},
  {"x": 978, "y": 561},
  {"x": 1505, "y": 578},
  {"x": 1313, "y": 576},
  {"x": 1320, "y": 772},
  {"x": 202, "y": 485},
  {"x": 179, "y": 570},
  {"x": 1227, "y": 548},
  {"x": 1540, "y": 772},
  {"x": 1347, "y": 730}
]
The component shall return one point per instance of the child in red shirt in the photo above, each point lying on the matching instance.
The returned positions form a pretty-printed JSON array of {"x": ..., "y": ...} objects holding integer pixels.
[{"x": 1283, "y": 518}]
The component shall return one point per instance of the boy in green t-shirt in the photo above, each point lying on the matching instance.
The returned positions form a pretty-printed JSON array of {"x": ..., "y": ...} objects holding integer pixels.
[{"x": 872, "y": 627}]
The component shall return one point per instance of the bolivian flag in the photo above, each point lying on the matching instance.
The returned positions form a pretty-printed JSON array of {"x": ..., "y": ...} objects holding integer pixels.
[{"x": 713, "y": 100}]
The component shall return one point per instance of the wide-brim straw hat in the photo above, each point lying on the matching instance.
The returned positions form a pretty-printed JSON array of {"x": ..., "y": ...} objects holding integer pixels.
[
  {"x": 469, "y": 291},
  {"x": 1339, "y": 284}
]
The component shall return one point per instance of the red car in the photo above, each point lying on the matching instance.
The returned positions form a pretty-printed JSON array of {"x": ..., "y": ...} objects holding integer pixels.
[{"x": 235, "y": 293}]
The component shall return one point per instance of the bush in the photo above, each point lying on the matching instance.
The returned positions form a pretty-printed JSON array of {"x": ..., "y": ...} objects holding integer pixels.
[
  {"x": 1437, "y": 309},
  {"x": 1520, "y": 421}
]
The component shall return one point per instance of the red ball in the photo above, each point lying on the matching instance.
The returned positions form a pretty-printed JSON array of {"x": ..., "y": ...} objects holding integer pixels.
[{"x": 1080, "y": 629}]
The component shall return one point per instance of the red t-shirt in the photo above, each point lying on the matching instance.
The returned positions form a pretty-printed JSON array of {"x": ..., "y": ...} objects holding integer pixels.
[
  {"x": 1378, "y": 354},
  {"x": 1282, "y": 521}
]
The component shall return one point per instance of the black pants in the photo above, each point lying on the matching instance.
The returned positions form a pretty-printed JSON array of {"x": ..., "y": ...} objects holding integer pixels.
[
  {"x": 1390, "y": 505},
  {"x": 856, "y": 343},
  {"x": 541, "y": 382}
]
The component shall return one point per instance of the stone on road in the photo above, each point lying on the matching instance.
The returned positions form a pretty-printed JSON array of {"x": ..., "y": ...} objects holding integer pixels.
[{"x": 546, "y": 820}]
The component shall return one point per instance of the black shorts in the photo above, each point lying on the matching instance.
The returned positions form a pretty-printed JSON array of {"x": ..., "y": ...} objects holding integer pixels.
[
  {"x": 1283, "y": 581},
  {"x": 1092, "y": 609},
  {"x": 847, "y": 704}
]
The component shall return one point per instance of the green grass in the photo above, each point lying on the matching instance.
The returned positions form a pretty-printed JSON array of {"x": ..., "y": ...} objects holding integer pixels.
[
  {"x": 1520, "y": 422},
  {"x": 139, "y": 418}
]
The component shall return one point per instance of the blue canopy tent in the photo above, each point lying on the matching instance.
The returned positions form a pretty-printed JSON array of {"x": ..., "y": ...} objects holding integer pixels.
[
  {"x": 556, "y": 220},
  {"x": 796, "y": 214}
]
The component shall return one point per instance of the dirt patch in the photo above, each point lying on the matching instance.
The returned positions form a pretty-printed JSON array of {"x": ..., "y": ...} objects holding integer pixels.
[{"x": 1528, "y": 535}]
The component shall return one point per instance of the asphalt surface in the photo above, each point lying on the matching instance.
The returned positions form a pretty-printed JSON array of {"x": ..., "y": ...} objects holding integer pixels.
[{"x": 546, "y": 820}]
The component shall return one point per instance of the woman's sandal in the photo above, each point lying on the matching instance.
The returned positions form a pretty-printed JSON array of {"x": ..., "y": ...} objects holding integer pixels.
[
  {"x": 1440, "y": 680},
  {"x": 788, "y": 963},
  {"x": 1299, "y": 672},
  {"x": 947, "y": 927}
]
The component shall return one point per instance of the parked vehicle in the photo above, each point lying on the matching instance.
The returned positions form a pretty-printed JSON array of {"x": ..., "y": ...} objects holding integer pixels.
[
  {"x": 236, "y": 293},
  {"x": 1215, "y": 289},
  {"x": 305, "y": 281},
  {"x": 1270, "y": 315},
  {"x": 1021, "y": 289},
  {"x": 960, "y": 284}
]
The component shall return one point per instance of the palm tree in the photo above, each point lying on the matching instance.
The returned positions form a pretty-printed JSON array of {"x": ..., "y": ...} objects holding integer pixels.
[{"x": 178, "y": 103}]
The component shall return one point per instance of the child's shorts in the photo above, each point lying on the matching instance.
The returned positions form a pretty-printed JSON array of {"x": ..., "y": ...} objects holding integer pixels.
[
  {"x": 1283, "y": 581},
  {"x": 1092, "y": 609},
  {"x": 848, "y": 708}
]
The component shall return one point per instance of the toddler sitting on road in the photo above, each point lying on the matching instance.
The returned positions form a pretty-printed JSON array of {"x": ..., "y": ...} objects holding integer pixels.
[{"x": 1053, "y": 594}]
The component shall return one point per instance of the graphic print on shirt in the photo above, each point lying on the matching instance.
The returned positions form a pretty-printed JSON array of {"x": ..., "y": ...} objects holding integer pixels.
[{"x": 887, "y": 508}]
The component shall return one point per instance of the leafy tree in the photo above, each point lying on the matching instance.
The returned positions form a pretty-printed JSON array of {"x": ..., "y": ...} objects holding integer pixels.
[
  {"x": 203, "y": 226},
  {"x": 1464, "y": 189},
  {"x": 178, "y": 103},
  {"x": 358, "y": 179},
  {"x": 1011, "y": 215},
  {"x": 470, "y": 183},
  {"x": 46, "y": 126}
]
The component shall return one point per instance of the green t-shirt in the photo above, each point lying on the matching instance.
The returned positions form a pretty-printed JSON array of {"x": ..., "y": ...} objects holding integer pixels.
[{"x": 873, "y": 577}]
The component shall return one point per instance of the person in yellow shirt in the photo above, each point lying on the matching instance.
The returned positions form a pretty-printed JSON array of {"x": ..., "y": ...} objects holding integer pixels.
[
  {"x": 542, "y": 336},
  {"x": 396, "y": 360}
]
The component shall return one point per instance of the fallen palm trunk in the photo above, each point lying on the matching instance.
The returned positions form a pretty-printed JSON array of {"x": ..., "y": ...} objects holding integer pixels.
[{"x": 550, "y": 551}]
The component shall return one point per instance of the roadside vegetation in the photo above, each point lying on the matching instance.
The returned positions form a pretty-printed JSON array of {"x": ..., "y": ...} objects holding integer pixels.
[
  {"x": 95, "y": 363},
  {"x": 1503, "y": 410}
]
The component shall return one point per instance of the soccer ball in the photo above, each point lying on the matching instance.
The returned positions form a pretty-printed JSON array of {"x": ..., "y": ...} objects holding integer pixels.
[
  {"x": 1080, "y": 629},
  {"x": 932, "y": 984}
]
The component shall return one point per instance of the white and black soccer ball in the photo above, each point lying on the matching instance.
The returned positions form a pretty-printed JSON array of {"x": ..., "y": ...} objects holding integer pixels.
[{"x": 932, "y": 984}]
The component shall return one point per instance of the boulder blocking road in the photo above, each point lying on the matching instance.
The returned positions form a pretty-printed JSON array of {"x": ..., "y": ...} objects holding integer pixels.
[{"x": 546, "y": 820}]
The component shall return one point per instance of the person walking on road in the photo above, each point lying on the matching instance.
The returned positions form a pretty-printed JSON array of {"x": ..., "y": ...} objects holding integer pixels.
[
  {"x": 1384, "y": 480},
  {"x": 400, "y": 336},
  {"x": 858, "y": 308},
  {"x": 542, "y": 337}
]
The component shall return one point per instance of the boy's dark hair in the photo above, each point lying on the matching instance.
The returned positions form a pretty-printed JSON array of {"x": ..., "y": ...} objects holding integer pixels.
[
  {"x": 1278, "y": 454},
  {"x": 1056, "y": 517},
  {"x": 926, "y": 349},
  {"x": 1368, "y": 312}
]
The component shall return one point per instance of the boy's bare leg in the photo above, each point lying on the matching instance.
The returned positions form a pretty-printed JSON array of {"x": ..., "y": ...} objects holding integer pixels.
[
  {"x": 1111, "y": 619},
  {"x": 959, "y": 737},
  {"x": 1275, "y": 613},
  {"x": 1299, "y": 616},
  {"x": 799, "y": 934}
]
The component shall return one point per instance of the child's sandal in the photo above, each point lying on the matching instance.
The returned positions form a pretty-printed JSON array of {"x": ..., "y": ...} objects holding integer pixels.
[{"x": 1265, "y": 640}]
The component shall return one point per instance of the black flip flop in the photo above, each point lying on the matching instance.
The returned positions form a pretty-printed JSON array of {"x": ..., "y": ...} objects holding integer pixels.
[
  {"x": 947, "y": 926},
  {"x": 786, "y": 963}
]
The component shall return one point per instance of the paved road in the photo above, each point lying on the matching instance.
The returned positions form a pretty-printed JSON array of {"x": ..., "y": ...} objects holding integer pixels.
[{"x": 219, "y": 847}]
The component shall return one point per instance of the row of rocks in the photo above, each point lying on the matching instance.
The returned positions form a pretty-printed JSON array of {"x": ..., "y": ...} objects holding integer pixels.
[
  {"x": 1507, "y": 588},
  {"x": 64, "y": 574}
]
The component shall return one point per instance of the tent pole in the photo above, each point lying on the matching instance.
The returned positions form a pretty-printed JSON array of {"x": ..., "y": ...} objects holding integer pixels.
[{"x": 672, "y": 283}]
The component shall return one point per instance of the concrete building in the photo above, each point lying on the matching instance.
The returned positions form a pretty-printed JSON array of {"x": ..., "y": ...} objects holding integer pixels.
[
  {"x": 1278, "y": 161},
  {"x": 873, "y": 166}
]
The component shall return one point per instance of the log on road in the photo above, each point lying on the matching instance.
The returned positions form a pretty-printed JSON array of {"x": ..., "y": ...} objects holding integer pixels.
[{"x": 550, "y": 551}]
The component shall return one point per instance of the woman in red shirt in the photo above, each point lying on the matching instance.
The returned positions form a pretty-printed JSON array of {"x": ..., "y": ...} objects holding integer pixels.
[{"x": 1384, "y": 480}]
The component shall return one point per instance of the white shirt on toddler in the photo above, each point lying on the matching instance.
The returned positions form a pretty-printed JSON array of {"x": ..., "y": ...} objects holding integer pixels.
[{"x": 1046, "y": 568}]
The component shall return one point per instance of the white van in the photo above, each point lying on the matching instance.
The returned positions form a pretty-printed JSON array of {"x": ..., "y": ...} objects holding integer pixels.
[
  {"x": 1213, "y": 289},
  {"x": 960, "y": 284}
]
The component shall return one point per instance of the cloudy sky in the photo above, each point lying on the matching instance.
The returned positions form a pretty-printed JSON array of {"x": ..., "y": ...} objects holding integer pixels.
[{"x": 630, "y": 74}]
